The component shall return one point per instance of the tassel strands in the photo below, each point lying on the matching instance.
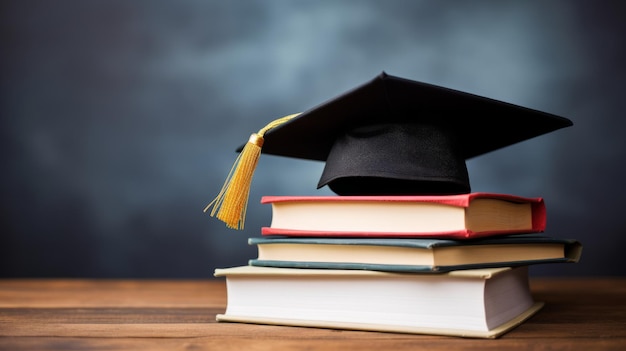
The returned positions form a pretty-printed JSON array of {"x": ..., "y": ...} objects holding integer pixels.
[{"x": 231, "y": 203}]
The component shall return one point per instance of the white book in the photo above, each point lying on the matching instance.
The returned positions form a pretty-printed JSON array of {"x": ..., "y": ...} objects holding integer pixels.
[{"x": 481, "y": 303}]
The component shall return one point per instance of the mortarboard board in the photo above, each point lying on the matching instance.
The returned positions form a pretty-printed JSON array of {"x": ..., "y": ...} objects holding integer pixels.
[{"x": 389, "y": 136}]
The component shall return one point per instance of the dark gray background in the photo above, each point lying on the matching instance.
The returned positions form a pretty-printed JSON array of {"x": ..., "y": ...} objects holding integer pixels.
[{"x": 119, "y": 119}]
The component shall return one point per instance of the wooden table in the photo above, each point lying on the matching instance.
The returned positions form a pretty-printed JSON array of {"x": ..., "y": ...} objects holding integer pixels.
[{"x": 580, "y": 314}]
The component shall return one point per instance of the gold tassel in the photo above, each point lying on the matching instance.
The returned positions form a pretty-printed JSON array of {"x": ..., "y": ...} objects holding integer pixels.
[{"x": 232, "y": 201}]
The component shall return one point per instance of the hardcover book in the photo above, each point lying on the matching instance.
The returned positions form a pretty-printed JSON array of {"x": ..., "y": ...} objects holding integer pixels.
[
  {"x": 483, "y": 303},
  {"x": 413, "y": 255},
  {"x": 462, "y": 216}
]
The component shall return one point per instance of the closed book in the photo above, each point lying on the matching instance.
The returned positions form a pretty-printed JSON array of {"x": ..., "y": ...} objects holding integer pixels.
[
  {"x": 484, "y": 303},
  {"x": 463, "y": 216},
  {"x": 413, "y": 255}
]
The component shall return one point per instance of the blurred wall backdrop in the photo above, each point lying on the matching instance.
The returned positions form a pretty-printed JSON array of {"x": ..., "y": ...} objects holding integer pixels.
[{"x": 119, "y": 119}]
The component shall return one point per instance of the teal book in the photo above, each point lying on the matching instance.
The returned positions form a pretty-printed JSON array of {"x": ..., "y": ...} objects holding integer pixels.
[{"x": 413, "y": 255}]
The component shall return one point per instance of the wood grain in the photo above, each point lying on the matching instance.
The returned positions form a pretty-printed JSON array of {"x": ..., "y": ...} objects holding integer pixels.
[{"x": 580, "y": 314}]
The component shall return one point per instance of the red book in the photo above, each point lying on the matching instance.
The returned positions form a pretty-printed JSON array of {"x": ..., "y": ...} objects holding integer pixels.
[{"x": 464, "y": 216}]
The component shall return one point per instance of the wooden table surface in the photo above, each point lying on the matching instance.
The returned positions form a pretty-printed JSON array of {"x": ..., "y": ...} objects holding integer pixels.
[{"x": 580, "y": 314}]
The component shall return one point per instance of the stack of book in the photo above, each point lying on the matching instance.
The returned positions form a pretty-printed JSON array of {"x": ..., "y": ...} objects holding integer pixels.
[
  {"x": 383, "y": 254},
  {"x": 447, "y": 265}
]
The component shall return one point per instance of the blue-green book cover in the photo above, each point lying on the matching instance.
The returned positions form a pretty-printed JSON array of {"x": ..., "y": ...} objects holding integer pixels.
[{"x": 413, "y": 255}]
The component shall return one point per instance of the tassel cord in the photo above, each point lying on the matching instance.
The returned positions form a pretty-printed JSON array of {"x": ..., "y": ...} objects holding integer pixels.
[{"x": 230, "y": 205}]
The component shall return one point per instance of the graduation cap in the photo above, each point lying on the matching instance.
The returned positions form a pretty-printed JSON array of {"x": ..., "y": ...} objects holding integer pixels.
[{"x": 389, "y": 136}]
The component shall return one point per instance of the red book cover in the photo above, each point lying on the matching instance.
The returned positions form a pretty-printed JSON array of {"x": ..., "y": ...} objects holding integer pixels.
[{"x": 444, "y": 216}]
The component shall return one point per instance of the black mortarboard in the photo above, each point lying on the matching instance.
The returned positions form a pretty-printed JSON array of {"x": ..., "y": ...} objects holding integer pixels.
[{"x": 395, "y": 136}]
